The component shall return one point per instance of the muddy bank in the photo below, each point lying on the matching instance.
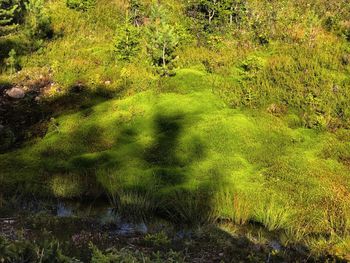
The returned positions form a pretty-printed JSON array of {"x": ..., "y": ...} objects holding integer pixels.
[
  {"x": 28, "y": 106},
  {"x": 23, "y": 112},
  {"x": 77, "y": 225}
]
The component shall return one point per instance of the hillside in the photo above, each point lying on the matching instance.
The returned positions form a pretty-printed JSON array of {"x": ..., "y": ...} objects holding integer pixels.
[{"x": 228, "y": 117}]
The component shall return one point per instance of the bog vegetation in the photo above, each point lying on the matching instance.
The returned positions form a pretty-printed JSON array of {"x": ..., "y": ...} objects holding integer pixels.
[{"x": 198, "y": 111}]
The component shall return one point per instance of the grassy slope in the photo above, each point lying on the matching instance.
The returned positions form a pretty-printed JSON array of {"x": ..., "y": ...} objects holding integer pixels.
[
  {"x": 255, "y": 166},
  {"x": 181, "y": 137}
]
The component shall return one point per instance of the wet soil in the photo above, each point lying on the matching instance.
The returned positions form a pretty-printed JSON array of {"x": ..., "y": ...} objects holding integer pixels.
[
  {"x": 75, "y": 225},
  {"x": 25, "y": 117}
]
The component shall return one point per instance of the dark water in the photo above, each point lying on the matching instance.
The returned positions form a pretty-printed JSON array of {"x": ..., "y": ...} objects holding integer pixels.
[
  {"x": 69, "y": 217},
  {"x": 74, "y": 224},
  {"x": 104, "y": 215}
]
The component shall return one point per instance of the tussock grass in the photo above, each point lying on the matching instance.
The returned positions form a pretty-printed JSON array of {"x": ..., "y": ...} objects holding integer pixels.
[
  {"x": 253, "y": 127},
  {"x": 201, "y": 160}
]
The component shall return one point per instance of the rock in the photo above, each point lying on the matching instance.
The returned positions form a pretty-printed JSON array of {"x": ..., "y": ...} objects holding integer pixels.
[
  {"x": 107, "y": 82},
  {"x": 15, "y": 93},
  {"x": 275, "y": 245},
  {"x": 64, "y": 211}
]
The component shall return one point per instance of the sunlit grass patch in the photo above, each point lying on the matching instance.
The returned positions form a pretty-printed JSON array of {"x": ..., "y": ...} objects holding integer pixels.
[
  {"x": 66, "y": 186},
  {"x": 189, "y": 157}
]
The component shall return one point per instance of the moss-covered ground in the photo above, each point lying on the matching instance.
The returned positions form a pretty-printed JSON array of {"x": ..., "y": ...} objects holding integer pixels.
[
  {"x": 192, "y": 157},
  {"x": 241, "y": 131}
]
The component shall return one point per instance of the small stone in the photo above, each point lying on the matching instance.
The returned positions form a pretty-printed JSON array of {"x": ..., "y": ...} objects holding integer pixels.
[
  {"x": 108, "y": 82},
  {"x": 275, "y": 245},
  {"x": 15, "y": 93},
  {"x": 221, "y": 254}
]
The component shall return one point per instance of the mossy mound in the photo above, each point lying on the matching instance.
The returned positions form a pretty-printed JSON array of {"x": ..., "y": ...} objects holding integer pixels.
[{"x": 185, "y": 147}]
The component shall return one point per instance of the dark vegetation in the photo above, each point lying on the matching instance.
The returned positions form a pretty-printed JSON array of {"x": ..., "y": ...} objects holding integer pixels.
[{"x": 199, "y": 112}]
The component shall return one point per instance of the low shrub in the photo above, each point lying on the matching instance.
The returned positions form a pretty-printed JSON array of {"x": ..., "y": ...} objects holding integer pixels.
[
  {"x": 39, "y": 23},
  {"x": 134, "y": 256},
  {"x": 159, "y": 239},
  {"x": 31, "y": 252},
  {"x": 80, "y": 5}
]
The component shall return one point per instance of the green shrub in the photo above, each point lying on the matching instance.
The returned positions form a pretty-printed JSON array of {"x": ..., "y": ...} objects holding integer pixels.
[
  {"x": 162, "y": 41},
  {"x": 127, "y": 42},
  {"x": 12, "y": 61},
  {"x": 9, "y": 10},
  {"x": 39, "y": 24},
  {"x": 125, "y": 255},
  {"x": 26, "y": 251},
  {"x": 253, "y": 64},
  {"x": 159, "y": 239},
  {"x": 80, "y": 5}
]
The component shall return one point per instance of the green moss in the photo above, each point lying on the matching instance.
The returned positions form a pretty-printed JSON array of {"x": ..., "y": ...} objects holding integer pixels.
[
  {"x": 189, "y": 143},
  {"x": 240, "y": 132}
]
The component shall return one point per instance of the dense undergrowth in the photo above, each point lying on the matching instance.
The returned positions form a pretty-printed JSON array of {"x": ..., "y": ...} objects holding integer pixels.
[{"x": 240, "y": 117}]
